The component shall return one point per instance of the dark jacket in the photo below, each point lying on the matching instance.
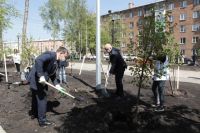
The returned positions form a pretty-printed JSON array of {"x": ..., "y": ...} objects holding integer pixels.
[
  {"x": 116, "y": 61},
  {"x": 45, "y": 65}
]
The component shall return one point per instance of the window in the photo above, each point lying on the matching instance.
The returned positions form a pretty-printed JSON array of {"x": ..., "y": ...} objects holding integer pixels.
[
  {"x": 123, "y": 34},
  {"x": 196, "y": 2},
  {"x": 171, "y": 6},
  {"x": 131, "y": 14},
  {"x": 160, "y": 6},
  {"x": 131, "y": 34},
  {"x": 183, "y": 51},
  {"x": 171, "y": 29},
  {"x": 182, "y": 28},
  {"x": 183, "y": 40},
  {"x": 147, "y": 11},
  {"x": 195, "y": 27},
  {"x": 196, "y": 14},
  {"x": 183, "y": 16},
  {"x": 140, "y": 12},
  {"x": 183, "y": 4},
  {"x": 123, "y": 45},
  {"x": 194, "y": 52},
  {"x": 131, "y": 25},
  {"x": 139, "y": 22},
  {"x": 171, "y": 18},
  {"x": 195, "y": 39}
]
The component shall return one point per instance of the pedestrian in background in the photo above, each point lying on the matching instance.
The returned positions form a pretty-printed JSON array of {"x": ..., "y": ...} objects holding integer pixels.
[
  {"x": 62, "y": 72},
  {"x": 17, "y": 60}
]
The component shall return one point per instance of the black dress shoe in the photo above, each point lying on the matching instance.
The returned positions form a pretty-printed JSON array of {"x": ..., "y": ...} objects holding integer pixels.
[
  {"x": 45, "y": 123},
  {"x": 33, "y": 116}
]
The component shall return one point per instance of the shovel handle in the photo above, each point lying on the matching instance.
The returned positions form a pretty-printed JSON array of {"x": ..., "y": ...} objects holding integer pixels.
[{"x": 47, "y": 83}]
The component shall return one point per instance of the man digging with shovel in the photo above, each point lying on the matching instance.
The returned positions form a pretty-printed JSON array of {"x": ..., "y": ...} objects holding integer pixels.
[
  {"x": 118, "y": 66},
  {"x": 45, "y": 67}
]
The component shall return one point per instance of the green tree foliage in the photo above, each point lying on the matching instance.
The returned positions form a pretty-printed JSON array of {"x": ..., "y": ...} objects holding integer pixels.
[
  {"x": 29, "y": 51},
  {"x": 106, "y": 36},
  {"x": 72, "y": 19},
  {"x": 112, "y": 29},
  {"x": 7, "y": 11},
  {"x": 50, "y": 14}
]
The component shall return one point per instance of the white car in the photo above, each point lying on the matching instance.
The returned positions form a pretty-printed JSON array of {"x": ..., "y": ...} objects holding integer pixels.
[{"x": 129, "y": 57}]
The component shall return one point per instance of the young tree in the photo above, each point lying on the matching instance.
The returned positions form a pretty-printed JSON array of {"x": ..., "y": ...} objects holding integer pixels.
[
  {"x": 7, "y": 11},
  {"x": 29, "y": 51},
  {"x": 69, "y": 17},
  {"x": 154, "y": 39}
]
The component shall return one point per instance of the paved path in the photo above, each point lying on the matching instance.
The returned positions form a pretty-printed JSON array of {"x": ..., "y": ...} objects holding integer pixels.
[
  {"x": 1, "y": 130},
  {"x": 185, "y": 75}
]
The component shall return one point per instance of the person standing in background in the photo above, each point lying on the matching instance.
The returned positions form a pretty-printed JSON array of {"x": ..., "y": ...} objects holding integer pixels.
[
  {"x": 62, "y": 73},
  {"x": 17, "y": 61}
]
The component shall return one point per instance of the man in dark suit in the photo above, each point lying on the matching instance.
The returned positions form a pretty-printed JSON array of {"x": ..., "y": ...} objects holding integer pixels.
[
  {"x": 118, "y": 66},
  {"x": 45, "y": 67}
]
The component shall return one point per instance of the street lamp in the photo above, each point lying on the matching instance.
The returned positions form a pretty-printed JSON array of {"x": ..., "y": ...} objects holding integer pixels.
[
  {"x": 113, "y": 30},
  {"x": 18, "y": 35},
  {"x": 113, "y": 24}
]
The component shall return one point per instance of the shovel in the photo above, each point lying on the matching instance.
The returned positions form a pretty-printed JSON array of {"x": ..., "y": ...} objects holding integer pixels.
[{"x": 64, "y": 92}]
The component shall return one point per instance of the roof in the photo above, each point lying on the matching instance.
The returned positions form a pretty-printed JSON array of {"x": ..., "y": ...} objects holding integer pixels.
[{"x": 151, "y": 3}]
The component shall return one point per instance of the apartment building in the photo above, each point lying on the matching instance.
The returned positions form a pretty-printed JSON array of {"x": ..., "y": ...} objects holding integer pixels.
[
  {"x": 184, "y": 13},
  {"x": 40, "y": 45}
]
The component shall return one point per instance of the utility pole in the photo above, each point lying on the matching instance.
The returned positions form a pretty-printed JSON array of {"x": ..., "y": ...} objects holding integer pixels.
[
  {"x": 86, "y": 39},
  {"x": 18, "y": 40},
  {"x": 25, "y": 22},
  {"x": 98, "y": 47}
]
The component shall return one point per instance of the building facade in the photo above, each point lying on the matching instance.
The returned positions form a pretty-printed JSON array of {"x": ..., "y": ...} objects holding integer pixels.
[
  {"x": 185, "y": 14},
  {"x": 40, "y": 45}
]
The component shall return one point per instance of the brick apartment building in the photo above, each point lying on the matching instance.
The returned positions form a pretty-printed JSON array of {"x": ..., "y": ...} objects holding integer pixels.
[
  {"x": 40, "y": 45},
  {"x": 184, "y": 13}
]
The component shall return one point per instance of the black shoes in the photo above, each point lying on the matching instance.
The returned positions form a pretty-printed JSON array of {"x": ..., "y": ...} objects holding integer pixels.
[
  {"x": 45, "y": 123},
  {"x": 33, "y": 117},
  {"x": 155, "y": 105},
  {"x": 160, "y": 109}
]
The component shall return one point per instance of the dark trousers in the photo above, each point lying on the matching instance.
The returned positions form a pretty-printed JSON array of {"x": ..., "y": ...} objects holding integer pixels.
[
  {"x": 158, "y": 90},
  {"x": 118, "y": 80},
  {"x": 39, "y": 104},
  {"x": 17, "y": 67}
]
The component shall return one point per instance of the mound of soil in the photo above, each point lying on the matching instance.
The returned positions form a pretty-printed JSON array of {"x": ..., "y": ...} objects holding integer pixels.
[{"x": 96, "y": 114}]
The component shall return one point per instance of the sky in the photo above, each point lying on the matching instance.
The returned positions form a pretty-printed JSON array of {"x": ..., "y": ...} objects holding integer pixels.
[{"x": 35, "y": 24}]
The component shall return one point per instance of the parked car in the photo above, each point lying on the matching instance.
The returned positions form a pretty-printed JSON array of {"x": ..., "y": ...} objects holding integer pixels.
[
  {"x": 9, "y": 62},
  {"x": 90, "y": 57},
  {"x": 129, "y": 57},
  {"x": 188, "y": 61}
]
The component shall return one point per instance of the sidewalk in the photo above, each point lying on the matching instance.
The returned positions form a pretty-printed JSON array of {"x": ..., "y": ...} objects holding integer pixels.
[
  {"x": 1, "y": 130},
  {"x": 184, "y": 76}
]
